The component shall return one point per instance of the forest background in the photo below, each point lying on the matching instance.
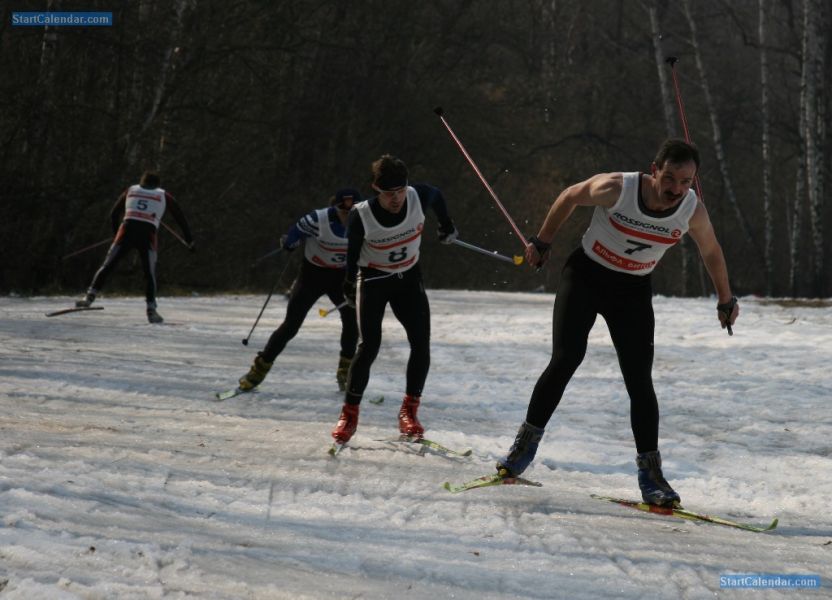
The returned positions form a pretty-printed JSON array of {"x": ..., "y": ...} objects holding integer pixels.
[{"x": 255, "y": 112}]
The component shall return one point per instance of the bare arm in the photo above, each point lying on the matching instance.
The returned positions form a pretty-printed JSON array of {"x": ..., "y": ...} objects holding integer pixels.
[
  {"x": 702, "y": 232},
  {"x": 599, "y": 190}
]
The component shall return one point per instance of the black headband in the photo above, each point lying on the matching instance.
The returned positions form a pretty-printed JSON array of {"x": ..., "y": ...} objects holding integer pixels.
[{"x": 390, "y": 181}]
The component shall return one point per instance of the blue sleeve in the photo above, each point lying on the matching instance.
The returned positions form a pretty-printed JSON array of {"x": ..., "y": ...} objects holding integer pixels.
[
  {"x": 431, "y": 197},
  {"x": 306, "y": 226}
]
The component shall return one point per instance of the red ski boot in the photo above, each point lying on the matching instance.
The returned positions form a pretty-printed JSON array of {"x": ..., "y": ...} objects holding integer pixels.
[
  {"x": 408, "y": 421},
  {"x": 347, "y": 423}
]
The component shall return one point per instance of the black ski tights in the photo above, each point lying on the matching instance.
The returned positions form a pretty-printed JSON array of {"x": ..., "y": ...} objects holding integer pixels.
[{"x": 586, "y": 290}]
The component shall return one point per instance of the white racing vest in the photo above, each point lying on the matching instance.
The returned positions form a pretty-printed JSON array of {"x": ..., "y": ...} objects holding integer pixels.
[
  {"x": 327, "y": 249},
  {"x": 392, "y": 249},
  {"x": 145, "y": 205},
  {"x": 625, "y": 239}
]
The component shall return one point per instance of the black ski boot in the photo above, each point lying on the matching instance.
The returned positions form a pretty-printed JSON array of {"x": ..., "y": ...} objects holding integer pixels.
[
  {"x": 522, "y": 451},
  {"x": 654, "y": 487}
]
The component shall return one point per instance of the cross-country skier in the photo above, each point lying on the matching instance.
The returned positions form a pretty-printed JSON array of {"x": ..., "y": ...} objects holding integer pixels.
[
  {"x": 383, "y": 268},
  {"x": 323, "y": 234},
  {"x": 143, "y": 206},
  {"x": 637, "y": 217}
]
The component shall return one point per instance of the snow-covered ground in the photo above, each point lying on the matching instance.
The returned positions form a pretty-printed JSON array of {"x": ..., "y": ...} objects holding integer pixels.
[{"x": 121, "y": 477}]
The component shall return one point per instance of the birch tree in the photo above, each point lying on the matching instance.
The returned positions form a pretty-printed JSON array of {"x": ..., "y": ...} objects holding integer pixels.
[
  {"x": 765, "y": 128},
  {"x": 162, "y": 80},
  {"x": 652, "y": 8},
  {"x": 717, "y": 132},
  {"x": 813, "y": 23},
  {"x": 43, "y": 107}
]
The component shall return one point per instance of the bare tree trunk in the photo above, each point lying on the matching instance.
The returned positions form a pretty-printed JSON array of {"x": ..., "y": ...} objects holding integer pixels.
[
  {"x": 717, "y": 133},
  {"x": 135, "y": 94},
  {"x": 799, "y": 191},
  {"x": 813, "y": 19},
  {"x": 652, "y": 7},
  {"x": 797, "y": 221},
  {"x": 36, "y": 142},
  {"x": 165, "y": 71},
  {"x": 768, "y": 217},
  {"x": 172, "y": 59}
]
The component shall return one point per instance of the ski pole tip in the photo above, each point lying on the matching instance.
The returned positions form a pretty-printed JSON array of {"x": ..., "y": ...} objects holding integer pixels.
[
  {"x": 518, "y": 260},
  {"x": 439, "y": 111},
  {"x": 322, "y": 312},
  {"x": 245, "y": 342}
]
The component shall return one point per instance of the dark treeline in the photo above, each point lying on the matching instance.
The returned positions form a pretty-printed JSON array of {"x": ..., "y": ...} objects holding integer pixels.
[{"x": 256, "y": 111}]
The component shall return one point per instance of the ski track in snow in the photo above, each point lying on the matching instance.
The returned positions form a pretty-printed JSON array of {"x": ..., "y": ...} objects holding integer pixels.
[{"x": 122, "y": 477}]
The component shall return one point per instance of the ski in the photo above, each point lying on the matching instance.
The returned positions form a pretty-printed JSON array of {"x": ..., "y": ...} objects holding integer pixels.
[
  {"x": 228, "y": 394},
  {"x": 487, "y": 481},
  {"x": 683, "y": 513},
  {"x": 232, "y": 393},
  {"x": 73, "y": 309},
  {"x": 336, "y": 447},
  {"x": 428, "y": 444}
]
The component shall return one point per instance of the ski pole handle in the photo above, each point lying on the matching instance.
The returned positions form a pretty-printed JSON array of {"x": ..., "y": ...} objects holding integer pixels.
[{"x": 324, "y": 312}]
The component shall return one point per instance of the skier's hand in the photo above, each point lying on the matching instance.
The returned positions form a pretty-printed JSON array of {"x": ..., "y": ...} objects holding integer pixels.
[
  {"x": 728, "y": 313},
  {"x": 350, "y": 292},
  {"x": 447, "y": 236},
  {"x": 286, "y": 246},
  {"x": 537, "y": 252}
]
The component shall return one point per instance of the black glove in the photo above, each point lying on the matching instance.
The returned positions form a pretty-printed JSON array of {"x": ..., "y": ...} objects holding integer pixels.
[
  {"x": 350, "y": 290},
  {"x": 541, "y": 246},
  {"x": 724, "y": 311},
  {"x": 448, "y": 233}
]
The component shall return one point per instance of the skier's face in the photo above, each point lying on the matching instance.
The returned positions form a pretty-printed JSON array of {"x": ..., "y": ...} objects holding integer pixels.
[
  {"x": 672, "y": 182},
  {"x": 391, "y": 200}
]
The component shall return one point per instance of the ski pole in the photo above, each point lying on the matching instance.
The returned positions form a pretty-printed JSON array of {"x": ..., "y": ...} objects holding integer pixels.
[
  {"x": 269, "y": 297},
  {"x": 265, "y": 256},
  {"x": 324, "y": 312},
  {"x": 176, "y": 235},
  {"x": 439, "y": 112},
  {"x": 90, "y": 247},
  {"x": 517, "y": 260},
  {"x": 671, "y": 60}
]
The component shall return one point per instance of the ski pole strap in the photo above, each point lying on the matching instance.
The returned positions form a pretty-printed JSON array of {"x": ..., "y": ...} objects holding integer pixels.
[{"x": 539, "y": 245}]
